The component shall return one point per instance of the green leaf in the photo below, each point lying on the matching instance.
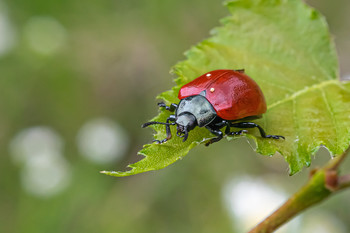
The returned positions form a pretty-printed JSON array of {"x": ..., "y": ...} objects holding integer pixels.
[{"x": 285, "y": 46}]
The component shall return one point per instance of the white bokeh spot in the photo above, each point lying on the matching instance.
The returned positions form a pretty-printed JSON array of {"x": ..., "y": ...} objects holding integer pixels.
[
  {"x": 44, "y": 170},
  {"x": 45, "y": 35},
  {"x": 250, "y": 200},
  {"x": 35, "y": 143},
  {"x": 46, "y": 176},
  {"x": 102, "y": 141}
]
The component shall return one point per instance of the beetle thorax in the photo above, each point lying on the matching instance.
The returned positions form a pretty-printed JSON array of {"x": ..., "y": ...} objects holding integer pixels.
[{"x": 195, "y": 108}]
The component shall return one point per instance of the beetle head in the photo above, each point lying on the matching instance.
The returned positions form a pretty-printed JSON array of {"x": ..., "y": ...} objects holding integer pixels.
[{"x": 185, "y": 122}]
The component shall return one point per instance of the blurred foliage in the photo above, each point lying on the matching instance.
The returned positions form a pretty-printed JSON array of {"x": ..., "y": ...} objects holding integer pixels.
[{"x": 115, "y": 59}]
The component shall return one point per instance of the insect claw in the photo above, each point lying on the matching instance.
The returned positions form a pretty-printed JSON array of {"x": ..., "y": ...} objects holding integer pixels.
[
  {"x": 275, "y": 137},
  {"x": 160, "y": 141},
  {"x": 161, "y": 104},
  {"x": 243, "y": 132}
]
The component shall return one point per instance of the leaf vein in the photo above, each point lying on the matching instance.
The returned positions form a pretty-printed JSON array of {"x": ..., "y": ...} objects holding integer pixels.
[
  {"x": 332, "y": 114},
  {"x": 301, "y": 92},
  {"x": 296, "y": 128}
]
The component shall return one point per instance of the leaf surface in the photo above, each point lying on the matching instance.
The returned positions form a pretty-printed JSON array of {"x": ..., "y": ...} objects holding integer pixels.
[{"x": 285, "y": 46}]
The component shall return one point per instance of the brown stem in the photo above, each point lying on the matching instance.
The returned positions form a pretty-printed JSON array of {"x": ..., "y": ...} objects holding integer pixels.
[{"x": 320, "y": 186}]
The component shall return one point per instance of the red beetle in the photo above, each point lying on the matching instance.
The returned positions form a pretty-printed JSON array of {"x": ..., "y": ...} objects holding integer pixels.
[{"x": 217, "y": 99}]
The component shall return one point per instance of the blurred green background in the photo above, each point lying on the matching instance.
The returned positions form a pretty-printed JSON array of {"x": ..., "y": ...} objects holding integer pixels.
[{"x": 78, "y": 78}]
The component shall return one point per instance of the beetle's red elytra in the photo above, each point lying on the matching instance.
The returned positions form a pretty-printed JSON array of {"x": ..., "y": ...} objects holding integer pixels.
[
  {"x": 236, "y": 95},
  {"x": 216, "y": 99}
]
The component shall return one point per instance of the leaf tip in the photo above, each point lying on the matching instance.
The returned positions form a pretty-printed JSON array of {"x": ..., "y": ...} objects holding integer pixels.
[
  {"x": 112, "y": 173},
  {"x": 291, "y": 171}
]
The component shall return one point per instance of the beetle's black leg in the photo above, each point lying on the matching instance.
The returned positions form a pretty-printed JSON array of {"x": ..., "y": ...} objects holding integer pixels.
[
  {"x": 167, "y": 128},
  {"x": 228, "y": 130},
  {"x": 217, "y": 132},
  {"x": 253, "y": 125},
  {"x": 170, "y": 108},
  {"x": 220, "y": 124},
  {"x": 215, "y": 129},
  {"x": 241, "y": 132}
]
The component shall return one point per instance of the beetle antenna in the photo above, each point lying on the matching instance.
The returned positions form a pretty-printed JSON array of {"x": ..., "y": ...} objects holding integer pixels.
[{"x": 156, "y": 122}]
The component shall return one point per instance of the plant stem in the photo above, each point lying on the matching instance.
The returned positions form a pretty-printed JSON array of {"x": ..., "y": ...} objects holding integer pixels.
[{"x": 323, "y": 183}]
